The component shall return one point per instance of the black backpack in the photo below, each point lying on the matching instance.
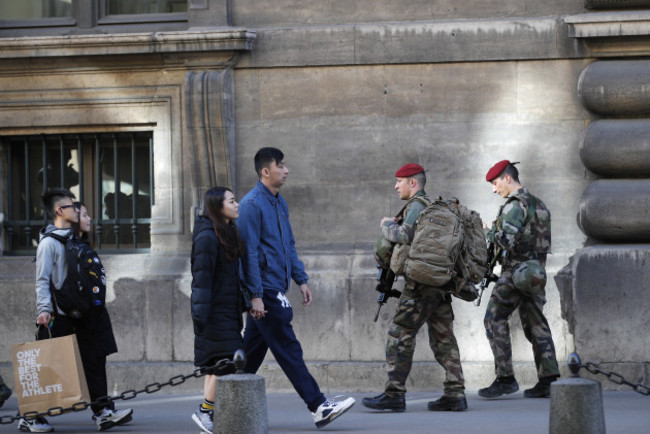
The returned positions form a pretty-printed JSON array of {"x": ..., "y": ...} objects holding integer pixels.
[{"x": 84, "y": 287}]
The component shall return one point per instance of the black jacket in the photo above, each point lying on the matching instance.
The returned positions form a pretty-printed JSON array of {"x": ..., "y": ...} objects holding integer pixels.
[{"x": 216, "y": 299}]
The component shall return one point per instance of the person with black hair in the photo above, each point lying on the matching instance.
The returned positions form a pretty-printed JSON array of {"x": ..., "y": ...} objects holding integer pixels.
[
  {"x": 216, "y": 303},
  {"x": 270, "y": 263},
  {"x": 51, "y": 273},
  {"x": 96, "y": 341},
  {"x": 51, "y": 269}
]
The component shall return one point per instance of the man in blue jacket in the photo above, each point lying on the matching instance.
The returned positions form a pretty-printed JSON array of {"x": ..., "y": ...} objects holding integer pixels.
[{"x": 271, "y": 261}]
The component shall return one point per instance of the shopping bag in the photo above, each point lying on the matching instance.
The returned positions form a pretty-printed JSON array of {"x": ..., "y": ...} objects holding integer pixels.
[{"x": 48, "y": 373}]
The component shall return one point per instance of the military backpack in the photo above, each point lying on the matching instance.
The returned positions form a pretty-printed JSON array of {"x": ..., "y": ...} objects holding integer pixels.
[
  {"x": 383, "y": 250},
  {"x": 448, "y": 244}
]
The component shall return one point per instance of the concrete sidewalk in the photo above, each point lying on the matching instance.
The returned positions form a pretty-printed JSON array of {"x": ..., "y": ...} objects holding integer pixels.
[{"x": 625, "y": 413}]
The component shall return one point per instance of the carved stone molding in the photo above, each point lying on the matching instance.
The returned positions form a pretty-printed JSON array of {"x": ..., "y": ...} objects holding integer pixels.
[
  {"x": 188, "y": 41},
  {"x": 209, "y": 108},
  {"x": 609, "y": 24},
  {"x": 612, "y": 33}
]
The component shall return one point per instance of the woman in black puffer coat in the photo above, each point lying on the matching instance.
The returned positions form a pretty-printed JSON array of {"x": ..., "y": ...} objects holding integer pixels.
[{"x": 217, "y": 303}]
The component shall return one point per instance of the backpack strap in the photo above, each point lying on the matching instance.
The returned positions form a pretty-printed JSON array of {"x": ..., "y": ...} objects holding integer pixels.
[
  {"x": 424, "y": 200},
  {"x": 60, "y": 238},
  {"x": 63, "y": 240},
  {"x": 454, "y": 205}
]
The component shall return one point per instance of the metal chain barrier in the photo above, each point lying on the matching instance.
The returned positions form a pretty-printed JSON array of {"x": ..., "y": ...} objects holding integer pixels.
[
  {"x": 239, "y": 360},
  {"x": 575, "y": 365}
]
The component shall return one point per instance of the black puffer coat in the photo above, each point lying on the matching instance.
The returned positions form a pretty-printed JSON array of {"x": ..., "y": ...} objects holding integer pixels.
[
  {"x": 95, "y": 333},
  {"x": 216, "y": 299}
]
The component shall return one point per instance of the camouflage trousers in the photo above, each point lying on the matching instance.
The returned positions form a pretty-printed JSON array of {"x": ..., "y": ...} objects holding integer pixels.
[
  {"x": 504, "y": 300},
  {"x": 419, "y": 305}
]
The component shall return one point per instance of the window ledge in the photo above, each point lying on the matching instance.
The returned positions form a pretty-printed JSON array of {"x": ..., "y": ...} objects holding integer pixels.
[
  {"x": 609, "y": 24},
  {"x": 193, "y": 40}
]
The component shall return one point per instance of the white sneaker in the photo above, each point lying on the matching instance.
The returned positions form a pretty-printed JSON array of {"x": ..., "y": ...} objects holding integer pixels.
[
  {"x": 38, "y": 424},
  {"x": 109, "y": 418},
  {"x": 203, "y": 420},
  {"x": 330, "y": 410}
]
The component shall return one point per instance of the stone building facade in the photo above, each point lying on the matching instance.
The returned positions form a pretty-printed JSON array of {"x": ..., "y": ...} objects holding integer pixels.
[{"x": 349, "y": 91}]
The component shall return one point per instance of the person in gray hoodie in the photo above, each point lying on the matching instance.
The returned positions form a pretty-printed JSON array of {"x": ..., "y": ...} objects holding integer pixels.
[
  {"x": 52, "y": 269},
  {"x": 51, "y": 266}
]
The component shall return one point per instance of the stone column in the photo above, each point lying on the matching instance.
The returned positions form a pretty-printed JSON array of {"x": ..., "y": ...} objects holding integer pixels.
[{"x": 604, "y": 285}]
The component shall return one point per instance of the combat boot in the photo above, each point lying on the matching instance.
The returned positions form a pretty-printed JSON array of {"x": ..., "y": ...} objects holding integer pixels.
[
  {"x": 448, "y": 403},
  {"x": 500, "y": 386},
  {"x": 385, "y": 402},
  {"x": 542, "y": 389}
]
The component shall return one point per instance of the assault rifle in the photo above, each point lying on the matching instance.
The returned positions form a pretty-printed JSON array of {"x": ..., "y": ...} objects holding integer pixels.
[
  {"x": 489, "y": 276},
  {"x": 386, "y": 279}
]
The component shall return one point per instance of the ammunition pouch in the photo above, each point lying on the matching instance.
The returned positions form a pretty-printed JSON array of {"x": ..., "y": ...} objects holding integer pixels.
[{"x": 529, "y": 277}]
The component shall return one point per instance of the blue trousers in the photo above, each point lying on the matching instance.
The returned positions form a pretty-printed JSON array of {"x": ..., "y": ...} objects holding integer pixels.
[{"x": 275, "y": 332}]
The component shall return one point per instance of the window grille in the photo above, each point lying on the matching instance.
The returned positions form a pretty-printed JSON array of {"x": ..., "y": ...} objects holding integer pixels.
[
  {"x": 121, "y": 7},
  {"x": 111, "y": 173}
]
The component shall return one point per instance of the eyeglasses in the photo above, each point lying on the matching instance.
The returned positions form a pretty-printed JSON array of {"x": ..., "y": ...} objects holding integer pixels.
[{"x": 66, "y": 206}]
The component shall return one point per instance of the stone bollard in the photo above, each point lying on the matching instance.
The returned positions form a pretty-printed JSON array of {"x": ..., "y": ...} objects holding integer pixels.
[
  {"x": 576, "y": 404},
  {"x": 240, "y": 402}
]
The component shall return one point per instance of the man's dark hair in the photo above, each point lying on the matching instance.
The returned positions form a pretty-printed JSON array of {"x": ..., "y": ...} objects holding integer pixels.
[
  {"x": 53, "y": 196},
  {"x": 512, "y": 171},
  {"x": 265, "y": 157}
]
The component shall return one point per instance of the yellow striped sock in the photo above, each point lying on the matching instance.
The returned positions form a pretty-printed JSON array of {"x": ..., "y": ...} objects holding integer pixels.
[{"x": 207, "y": 405}]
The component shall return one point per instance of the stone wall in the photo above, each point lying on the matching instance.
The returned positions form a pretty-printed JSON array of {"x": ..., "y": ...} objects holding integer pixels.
[
  {"x": 350, "y": 91},
  {"x": 345, "y": 130}
]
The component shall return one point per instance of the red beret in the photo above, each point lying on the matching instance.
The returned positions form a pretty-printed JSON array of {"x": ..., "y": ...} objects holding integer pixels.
[
  {"x": 496, "y": 170},
  {"x": 409, "y": 169}
]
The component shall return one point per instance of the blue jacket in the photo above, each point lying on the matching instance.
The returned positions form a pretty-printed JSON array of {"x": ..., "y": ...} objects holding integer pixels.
[{"x": 271, "y": 259}]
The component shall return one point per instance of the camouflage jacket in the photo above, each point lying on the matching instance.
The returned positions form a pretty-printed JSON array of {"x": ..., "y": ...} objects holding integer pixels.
[
  {"x": 522, "y": 228},
  {"x": 401, "y": 232}
]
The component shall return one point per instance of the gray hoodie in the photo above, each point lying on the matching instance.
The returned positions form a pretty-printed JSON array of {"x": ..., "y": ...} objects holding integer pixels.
[{"x": 50, "y": 264}]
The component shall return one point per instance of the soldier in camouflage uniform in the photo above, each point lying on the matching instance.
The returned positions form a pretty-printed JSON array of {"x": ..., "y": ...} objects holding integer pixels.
[
  {"x": 523, "y": 231},
  {"x": 419, "y": 304}
]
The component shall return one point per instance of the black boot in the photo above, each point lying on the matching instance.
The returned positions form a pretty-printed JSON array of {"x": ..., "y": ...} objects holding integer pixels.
[
  {"x": 385, "y": 402},
  {"x": 500, "y": 386},
  {"x": 448, "y": 403},
  {"x": 542, "y": 389}
]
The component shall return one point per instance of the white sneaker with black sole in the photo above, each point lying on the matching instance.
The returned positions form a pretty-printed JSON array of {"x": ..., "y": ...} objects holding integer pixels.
[
  {"x": 204, "y": 420},
  {"x": 330, "y": 410},
  {"x": 38, "y": 424},
  {"x": 109, "y": 418}
]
